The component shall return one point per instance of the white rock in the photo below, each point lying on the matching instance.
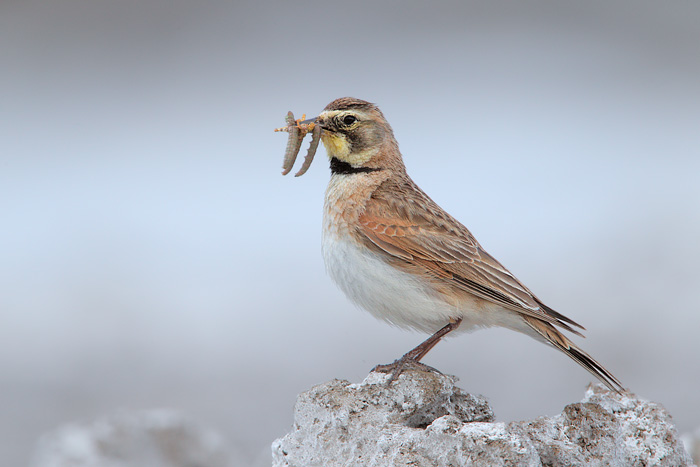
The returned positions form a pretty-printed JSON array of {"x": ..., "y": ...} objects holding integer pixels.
[{"x": 423, "y": 419}]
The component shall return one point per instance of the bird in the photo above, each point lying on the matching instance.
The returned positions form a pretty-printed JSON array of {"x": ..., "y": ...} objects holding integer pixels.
[{"x": 394, "y": 252}]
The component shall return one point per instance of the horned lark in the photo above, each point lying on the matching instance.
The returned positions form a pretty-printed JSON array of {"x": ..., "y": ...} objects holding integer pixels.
[{"x": 397, "y": 254}]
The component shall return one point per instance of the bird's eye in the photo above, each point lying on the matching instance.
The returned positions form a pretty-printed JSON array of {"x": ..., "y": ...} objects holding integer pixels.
[{"x": 349, "y": 120}]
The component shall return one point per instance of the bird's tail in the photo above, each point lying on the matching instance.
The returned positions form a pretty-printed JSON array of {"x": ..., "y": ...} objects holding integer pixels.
[{"x": 554, "y": 337}]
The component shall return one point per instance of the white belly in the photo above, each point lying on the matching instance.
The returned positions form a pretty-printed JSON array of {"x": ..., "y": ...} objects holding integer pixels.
[
  {"x": 402, "y": 300},
  {"x": 387, "y": 293}
]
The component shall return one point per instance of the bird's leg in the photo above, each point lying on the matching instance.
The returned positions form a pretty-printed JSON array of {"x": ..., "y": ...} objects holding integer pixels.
[
  {"x": 414, "y": 356},
  {"x": 426, "y": 346}
]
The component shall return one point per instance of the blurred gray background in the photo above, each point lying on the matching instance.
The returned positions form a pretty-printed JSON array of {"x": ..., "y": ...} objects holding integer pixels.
[{"x": 151, "y": 255}]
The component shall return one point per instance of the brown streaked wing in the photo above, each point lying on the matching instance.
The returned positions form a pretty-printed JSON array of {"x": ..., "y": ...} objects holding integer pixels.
[{"x": 405, "y": 223}]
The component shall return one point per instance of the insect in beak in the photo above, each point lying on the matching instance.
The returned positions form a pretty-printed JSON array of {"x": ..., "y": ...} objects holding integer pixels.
[{"x": 297, "y": 129}]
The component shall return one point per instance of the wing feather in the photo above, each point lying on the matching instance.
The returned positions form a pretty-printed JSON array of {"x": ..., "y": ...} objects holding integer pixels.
[{"x": 418, "y": 233}]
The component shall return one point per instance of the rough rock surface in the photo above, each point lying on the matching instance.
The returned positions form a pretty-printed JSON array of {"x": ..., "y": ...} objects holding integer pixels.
[
  {"x": 153, "y": 438},
  {"x": 423, "y": 419}
]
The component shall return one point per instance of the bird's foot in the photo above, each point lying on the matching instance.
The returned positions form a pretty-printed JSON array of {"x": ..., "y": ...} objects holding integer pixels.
[{"x": 398, "y": 366}]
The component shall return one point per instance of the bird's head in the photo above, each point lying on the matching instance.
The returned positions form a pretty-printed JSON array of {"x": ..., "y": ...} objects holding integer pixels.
[{"x": 355, "y": 132}]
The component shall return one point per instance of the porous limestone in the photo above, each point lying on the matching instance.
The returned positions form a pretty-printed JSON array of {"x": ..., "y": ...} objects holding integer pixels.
[{"x": 423, "y": 420}]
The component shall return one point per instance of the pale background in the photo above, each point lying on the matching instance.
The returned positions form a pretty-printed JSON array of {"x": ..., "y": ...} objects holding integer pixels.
[{"x": 151, "y": 255}]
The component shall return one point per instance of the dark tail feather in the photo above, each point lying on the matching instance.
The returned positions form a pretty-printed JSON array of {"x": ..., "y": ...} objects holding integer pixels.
[
  {"x": 555, "y": 314},
  {"x": 561, "y": 342},
  {"x": 590, "y": 364}
]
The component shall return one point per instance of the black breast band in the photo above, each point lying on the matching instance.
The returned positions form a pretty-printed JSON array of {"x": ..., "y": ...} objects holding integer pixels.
[{"x": 343, "y": 168}]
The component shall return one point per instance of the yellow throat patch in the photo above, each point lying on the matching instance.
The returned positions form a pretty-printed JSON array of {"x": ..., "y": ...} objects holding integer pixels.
[{"x": 338, "y": 146}]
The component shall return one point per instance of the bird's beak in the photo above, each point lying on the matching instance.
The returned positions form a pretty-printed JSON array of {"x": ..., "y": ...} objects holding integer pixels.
[
  {"x": 310, "y": 120},
  {"x": 320, "y": 121}
]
